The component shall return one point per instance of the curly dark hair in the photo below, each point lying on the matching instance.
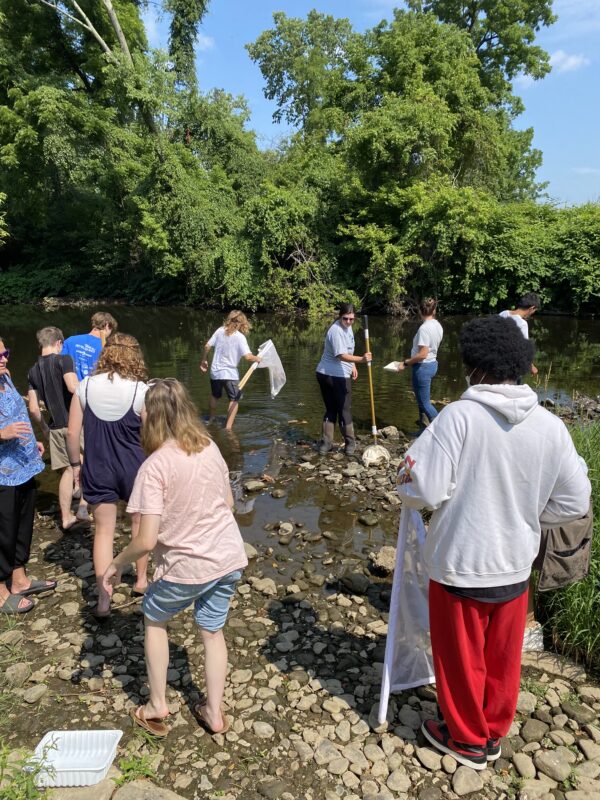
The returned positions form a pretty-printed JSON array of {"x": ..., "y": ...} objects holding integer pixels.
[{"x": 496, "y": 346}]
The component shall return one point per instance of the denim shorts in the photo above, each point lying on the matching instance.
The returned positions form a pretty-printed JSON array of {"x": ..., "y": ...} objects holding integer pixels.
[{"x": 164, "y": 599}]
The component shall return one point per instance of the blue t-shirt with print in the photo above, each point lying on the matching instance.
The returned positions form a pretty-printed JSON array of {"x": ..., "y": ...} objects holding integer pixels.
[{"x": 85, "y": 351}]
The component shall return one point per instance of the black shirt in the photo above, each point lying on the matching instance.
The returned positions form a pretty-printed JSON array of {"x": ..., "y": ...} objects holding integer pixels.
[
  {"x": 492, "y": 594},
  {"x": 46, "y": 378}
]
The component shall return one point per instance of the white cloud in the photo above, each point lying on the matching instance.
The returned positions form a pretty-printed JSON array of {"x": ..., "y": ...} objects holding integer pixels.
[
  {"x": 524, "y": 81},
  {"x": 564, "y": 62},
  {"x": 204, "y": 43},
  {"x": 577, "y": 16},
  {"x": 595, "y": 171}
]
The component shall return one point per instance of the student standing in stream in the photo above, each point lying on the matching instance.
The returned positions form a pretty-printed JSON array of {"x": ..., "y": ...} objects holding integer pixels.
[
  {"x": 423, "y": 360},
  {"x": 491, "y": 466},
  {"x": 85, "y": 348},
  {"x": 230, "y": 346},
  {"x": 526, "y": 308},
  {"x": 335, "y": 372}
]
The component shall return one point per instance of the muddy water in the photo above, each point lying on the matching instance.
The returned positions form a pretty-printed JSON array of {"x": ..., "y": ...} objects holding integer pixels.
[{"x": 268, "y": 432}]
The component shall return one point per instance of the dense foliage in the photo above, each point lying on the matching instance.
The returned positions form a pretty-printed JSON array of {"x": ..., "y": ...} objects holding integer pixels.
[{"x": 405, "y": 174}]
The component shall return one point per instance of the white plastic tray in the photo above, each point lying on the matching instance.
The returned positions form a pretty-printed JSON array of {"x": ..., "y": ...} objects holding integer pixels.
[{"x": 76, "y": 758}]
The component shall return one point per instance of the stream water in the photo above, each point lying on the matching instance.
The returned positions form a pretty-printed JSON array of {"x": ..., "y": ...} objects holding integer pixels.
[{"x": 568, "y": 359}]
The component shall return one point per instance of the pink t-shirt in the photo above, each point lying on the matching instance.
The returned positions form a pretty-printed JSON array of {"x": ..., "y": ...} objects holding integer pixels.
[{"x": 198, "y": 538}]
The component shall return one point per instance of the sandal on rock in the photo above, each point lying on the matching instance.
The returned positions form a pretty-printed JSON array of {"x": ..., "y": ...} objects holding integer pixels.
[
  {"x": 157, "y": 727},
  {"x": 37, "y": 587},
  {"x": 199, "y": 714},
  {"x": 12, "y": 605}
]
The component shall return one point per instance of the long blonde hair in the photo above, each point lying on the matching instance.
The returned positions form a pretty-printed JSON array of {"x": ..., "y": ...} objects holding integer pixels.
[
  {"x": 236, "y": 321},
  {"x": 122, "y": 354},
  {"x": 171, "y": 414}
]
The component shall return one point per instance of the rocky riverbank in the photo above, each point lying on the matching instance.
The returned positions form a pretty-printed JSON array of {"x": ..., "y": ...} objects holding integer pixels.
[{"x": 306, "y": 635}]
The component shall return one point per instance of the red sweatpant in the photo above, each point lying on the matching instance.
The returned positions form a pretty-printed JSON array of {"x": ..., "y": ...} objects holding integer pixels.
[{"x": 477, "y": 659}]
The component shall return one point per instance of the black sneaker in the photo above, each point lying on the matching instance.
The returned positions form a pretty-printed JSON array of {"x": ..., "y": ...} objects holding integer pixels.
[
  {"x": 493, "y": 749},
  {"x": 470, "y": 755}
]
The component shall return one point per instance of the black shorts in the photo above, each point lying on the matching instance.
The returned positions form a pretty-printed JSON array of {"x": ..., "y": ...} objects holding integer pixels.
[{"x": 231, "y": 389}]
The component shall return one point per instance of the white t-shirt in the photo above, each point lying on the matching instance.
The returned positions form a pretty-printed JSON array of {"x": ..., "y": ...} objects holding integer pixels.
[
  {"x": 228, "y": 352},
  {"x": 523, "y": 327},
  {"x": 337, "y": 341},
  {"x": 111, "y": 400},
  {"x": 429, "y": 335}
]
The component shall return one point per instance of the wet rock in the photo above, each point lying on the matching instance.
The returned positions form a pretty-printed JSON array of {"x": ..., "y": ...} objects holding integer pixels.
[
  {"x": 70, "y": 609},
  {"x": 251, "y": 552},
  {"x": 254, "y": 486},
  {"x": 465, "y": 781},
  {"x": 385, "y": 560},
  {"x": 411, "y": 718},
  {"x": 272, "y": 789},
  {"x": 278, "y": 493},
  {"x": 17, "y": 674},
  {"x": 552, "y": 764},
  {"x": 35, "y": 693},
  {"x": 239, "y": 676},
  {"x": 369, "y": 519},
  {"x": 356, "y": 582}
]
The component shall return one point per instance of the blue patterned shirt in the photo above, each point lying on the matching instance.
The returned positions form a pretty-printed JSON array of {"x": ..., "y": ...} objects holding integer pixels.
[{"x": 19, "y": 458}]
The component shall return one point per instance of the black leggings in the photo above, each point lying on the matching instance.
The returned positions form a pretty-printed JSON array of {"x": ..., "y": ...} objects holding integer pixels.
[
  {"x": 17, "y": 508},
  {"x": 337, "y": 396}
]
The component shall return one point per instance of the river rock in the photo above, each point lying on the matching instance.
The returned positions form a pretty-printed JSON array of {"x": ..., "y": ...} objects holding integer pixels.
[
  {"x": 241, "y": 676},
  {"x": 99, "y": 791},
  {"x": 398, "y": 781},
  {"x": 278, "y": 493},
  {"x": 429, "y": 758},
  {"x": 534, "y": 730},
  {"x": 254, "y": 486},
  {"x": 409, "y": 717},
  {"x": 552, "y": 764},
  {"x": 390, "y": 432},
  {"x": 35, "y": 693},
  {"x": 526, "y": 703},
  {"x": 590, "y": 749},
  {"x": 266, "y": 586},
  {"x": 356, "y": 582},
  {"x": 17, "y": 674},
  {"x": 272, "y": 789},
  {"x": 144, "y": 790},
  {"x": 368, "y": 518},
  {"x": 263, "y": 730},
  {"x": 581, "y": 713},
  {"x": 11, "y": 638},
  {"x": 384, "y": 560},
  {"x": 466, "y": 780},
  {"x": 524, "y": 765},
  {"x": 251, "y": 552}
]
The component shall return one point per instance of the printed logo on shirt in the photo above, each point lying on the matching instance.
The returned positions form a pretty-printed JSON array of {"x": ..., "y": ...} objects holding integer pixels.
[{"x": 404, "y": 475}]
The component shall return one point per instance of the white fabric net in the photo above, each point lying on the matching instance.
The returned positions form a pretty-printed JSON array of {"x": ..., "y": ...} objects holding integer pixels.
[
  {"x": 271, "y": 361},
  {"x": 408, "y": 660}
]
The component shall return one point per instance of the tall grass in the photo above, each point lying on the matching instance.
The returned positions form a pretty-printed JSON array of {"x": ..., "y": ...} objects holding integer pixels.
[{"x": 573, "y": 614}]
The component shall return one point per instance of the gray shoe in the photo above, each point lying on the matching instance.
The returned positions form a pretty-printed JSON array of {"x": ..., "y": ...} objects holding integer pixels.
[
  {"x": 350, "y": 440},
  {"x": 325, "y": 446},
  {"x": 326, "y": 443}
]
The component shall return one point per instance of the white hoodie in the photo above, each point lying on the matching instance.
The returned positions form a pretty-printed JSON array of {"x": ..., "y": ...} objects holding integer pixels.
[{"x": 492, "y": 465}]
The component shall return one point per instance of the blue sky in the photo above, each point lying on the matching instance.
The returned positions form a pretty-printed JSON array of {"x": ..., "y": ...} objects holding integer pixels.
[{"x": 563, "y": 108}]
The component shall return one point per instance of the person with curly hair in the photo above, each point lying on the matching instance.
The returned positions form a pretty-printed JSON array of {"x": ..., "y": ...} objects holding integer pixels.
[
  {"x": 492, "y": 466},
  {"x": 108, "y": 407}
]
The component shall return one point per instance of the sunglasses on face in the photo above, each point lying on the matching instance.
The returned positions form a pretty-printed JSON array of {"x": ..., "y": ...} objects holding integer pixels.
[
  {"x": 348, "y": 319},
  {"x": 5, "y": 354}
]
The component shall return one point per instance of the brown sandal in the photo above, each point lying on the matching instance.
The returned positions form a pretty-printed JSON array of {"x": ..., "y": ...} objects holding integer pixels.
[
  {"x": 198, "y": 712},
  {"x": 157, "y": 727}
]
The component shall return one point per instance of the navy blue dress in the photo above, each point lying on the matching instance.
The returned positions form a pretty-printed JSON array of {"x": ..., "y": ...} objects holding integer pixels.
[{"x": 113, "y": 455}]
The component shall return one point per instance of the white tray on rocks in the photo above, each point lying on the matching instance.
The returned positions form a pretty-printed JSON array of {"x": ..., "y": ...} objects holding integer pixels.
[{"x": 76, "y": 758}]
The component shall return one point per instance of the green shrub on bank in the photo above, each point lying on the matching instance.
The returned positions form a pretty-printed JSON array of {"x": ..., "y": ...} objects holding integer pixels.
[{"x": 573, "y": 614}]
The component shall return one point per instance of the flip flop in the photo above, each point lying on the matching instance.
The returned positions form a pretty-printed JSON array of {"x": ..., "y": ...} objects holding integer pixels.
[
  {"x": 202, "y": 720},
  {"x": 37, "y": 587},
  {"x": 157, "y": 727},
  {"x": 11, "y": 605}
]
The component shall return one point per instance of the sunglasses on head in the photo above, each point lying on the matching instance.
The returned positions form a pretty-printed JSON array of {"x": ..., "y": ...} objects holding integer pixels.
[{"x": 5, "y": 354}]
